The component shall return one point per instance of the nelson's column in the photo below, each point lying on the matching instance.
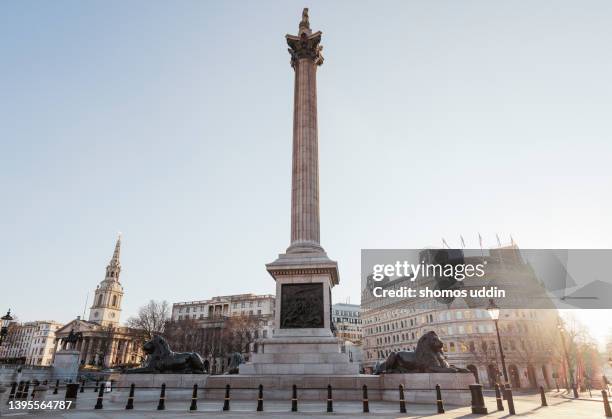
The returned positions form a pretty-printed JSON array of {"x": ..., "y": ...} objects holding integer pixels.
[{"x": 303, "y": 342}]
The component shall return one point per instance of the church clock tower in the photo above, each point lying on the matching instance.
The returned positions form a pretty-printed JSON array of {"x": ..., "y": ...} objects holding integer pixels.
[{"x": 106, "y": 307}]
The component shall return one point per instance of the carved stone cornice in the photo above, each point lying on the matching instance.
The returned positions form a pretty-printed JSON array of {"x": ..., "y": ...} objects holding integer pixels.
[{"x": 305, "y": 46}]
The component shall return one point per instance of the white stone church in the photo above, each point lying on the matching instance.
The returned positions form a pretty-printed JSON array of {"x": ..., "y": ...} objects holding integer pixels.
[{"x": 102, "y": 341}]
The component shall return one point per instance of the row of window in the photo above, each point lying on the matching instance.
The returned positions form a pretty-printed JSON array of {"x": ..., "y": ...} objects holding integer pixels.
[
  {"x": 243, "y": 304},
  {"x": 201, "y": 316}
]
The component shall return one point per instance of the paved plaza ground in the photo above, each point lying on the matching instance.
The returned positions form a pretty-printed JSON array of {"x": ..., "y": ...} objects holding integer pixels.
[{"x": 527, "y": 405}]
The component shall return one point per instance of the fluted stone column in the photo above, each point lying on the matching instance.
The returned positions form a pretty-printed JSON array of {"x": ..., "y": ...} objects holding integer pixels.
[
  {"x": 304, "y": 274},
  {"x": 305, "y": 50}
]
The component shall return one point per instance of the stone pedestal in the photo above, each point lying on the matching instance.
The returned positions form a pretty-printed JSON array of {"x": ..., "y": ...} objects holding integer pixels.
[
  {"x": 302, "y": 341},
  {"x": 66, "y": 365}
]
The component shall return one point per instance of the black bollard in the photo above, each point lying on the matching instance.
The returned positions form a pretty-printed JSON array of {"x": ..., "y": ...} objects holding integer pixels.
[
  {"x": 478, "y": 406},
  {"x": 606, "y": 403},
  {"x": 82, "y": 386},
  {"x": 72, "y": 389},
  {"x": 330, "y": 401},
  {"x": 260, "y": 399},
  {"x": 24, "y": 394},
  {"x": 439, "y": 399},
  {"x": 402, "y": 399},
  {"x": 130, "y": 402},
  {"x": 13, "y": 390},
  {"x": 162, "y": 398},
  {"x": 100, "y": 397},
  {"x": 504, "y": 388},
  {"x": 56, "y": 387},
  {"x": 498, "y": 398},
  {"x": 510, "y": 400},
  {"x": 543, "y": 397},
  {"x": 366, "y": 402},
  {"x": 194, "y": 398},
  {"x": 294, "y": 407},
  {"x": 226, "y": 400},
  {"x": 19, "y": 390}
]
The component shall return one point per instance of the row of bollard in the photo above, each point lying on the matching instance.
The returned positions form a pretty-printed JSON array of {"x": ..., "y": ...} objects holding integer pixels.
[
  {"x": 294, "y": 400},
  {"x": 19, "y": 391}
]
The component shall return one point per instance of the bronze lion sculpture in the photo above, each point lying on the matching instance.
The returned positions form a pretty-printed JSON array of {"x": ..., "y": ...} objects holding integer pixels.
[
  {"x": 428, "y": 357},
  {"x": 233, "y": 365},
  {"x": 160, "y": 359}
]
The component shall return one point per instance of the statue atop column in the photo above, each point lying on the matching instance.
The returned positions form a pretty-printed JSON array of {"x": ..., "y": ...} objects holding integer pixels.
[{"x": 305, "y": 24}]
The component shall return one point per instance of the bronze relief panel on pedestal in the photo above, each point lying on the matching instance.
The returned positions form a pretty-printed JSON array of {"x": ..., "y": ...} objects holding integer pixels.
[{"x": 302, "y": 306}]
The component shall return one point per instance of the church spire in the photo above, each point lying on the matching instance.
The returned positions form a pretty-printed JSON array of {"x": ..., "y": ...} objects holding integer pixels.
[
  {"x": 114, "y": 266},
  {"x": 106, "y": 307}
]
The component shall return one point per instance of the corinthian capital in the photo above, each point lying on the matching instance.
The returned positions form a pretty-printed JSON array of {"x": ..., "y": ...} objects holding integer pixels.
[{"x": 305, "y": 46}]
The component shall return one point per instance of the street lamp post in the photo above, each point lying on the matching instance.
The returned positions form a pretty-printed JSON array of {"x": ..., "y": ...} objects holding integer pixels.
[
  {"x": 494, "y": 313},
  {"x": 6, "y": 320},
  {"x": 569, "y": 364}
]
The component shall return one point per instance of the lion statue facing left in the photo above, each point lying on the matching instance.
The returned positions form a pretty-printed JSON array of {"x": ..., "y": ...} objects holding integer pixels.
[
  {"x": 160, "y": 359},
  {"x": 428, "y": 357}
]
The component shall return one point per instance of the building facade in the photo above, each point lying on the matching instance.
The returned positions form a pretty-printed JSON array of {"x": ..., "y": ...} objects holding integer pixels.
[
  {"x": 30, "y": 343},
  {"x": 221, "y": 325},
  {"x": 102, "y": 341},
  {"x": 225, "y": 306},
  {"x": 529, "y": 336},
  {"x": 347, "y": 320},
  {"x": 213, "y": 312}
]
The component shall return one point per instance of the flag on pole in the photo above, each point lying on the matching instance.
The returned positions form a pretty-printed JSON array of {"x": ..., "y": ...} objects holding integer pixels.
[
  {"x": 462, "y": 241},
  {"x": 511, "y": 240},
  {"x": 480, "y": 240},
  {"x": 498, "y": 240},
  {"x": 444, "y": 243}
]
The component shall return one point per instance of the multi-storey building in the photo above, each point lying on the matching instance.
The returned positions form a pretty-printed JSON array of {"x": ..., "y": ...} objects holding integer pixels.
[
  {"x": 469, "y": 335},
  {"x": 31, "y": 343},
  {"x": 42, "y": 346},
  {"x": 225, "y": 306},
  {"x": 347, "y": 320},
  {"x": 17, "y": 343},
  {"x": 220, "y": 325}
]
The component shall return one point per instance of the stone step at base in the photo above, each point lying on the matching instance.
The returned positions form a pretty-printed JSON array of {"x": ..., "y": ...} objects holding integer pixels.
[
  {"x": 300, "y": 358},
  {"x": 340, "y": 368},
  {"x": 299, "y": 345}
]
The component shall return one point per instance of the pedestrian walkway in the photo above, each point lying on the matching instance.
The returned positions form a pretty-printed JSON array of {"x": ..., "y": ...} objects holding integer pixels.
[{"x": 527, "y": 405}]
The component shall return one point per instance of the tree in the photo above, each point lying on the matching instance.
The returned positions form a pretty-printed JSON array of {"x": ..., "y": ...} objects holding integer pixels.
[
  {"x": 151, "y": 318},
  {"x": 240, "y": 332}
]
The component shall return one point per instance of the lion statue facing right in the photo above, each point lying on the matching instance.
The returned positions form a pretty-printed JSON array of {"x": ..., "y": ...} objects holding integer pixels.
[
  {"x": 428, "y": 357},
  {"x": 161, "y": 359}
]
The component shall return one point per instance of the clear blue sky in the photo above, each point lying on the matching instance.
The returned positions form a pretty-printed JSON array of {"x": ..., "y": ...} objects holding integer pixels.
[{"x": 171, "y": 122}]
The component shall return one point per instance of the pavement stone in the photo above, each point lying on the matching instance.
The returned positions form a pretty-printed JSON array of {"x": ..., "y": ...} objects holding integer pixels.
[{"x": 527, "y": 405}]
